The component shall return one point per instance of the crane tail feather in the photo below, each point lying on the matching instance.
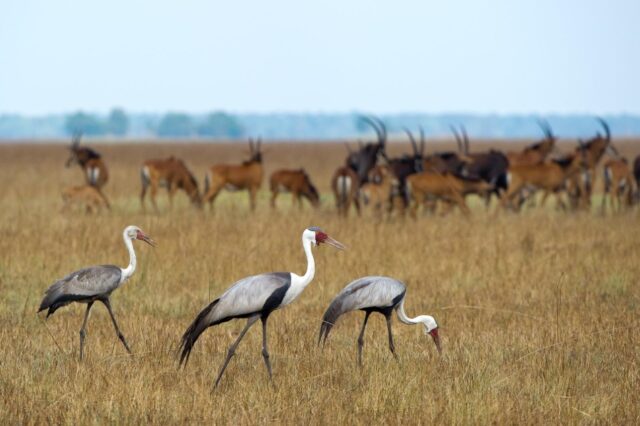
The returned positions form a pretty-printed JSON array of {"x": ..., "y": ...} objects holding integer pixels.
[{"x": 194, "y": 331}]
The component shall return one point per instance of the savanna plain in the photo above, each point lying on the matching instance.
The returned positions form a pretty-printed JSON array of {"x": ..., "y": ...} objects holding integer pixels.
[{"x": 538, "y": 311}]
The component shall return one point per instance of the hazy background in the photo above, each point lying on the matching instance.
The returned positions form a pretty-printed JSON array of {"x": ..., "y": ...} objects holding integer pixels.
[{"x": 288, "y": 69}]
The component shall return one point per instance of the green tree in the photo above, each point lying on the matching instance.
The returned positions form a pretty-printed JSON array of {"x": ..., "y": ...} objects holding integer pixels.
[
  {"x": 175, "y": 125},
  {"x": 87, "y": 124},
  {"x": 117, "y": 122},
  {"x": 220, "y": 124}
]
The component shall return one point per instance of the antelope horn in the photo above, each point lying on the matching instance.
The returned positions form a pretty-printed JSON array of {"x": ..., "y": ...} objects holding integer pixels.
[
  {"x": 413, "y": 141},
  {"x": 544, "y": 125},
  {"x": 465, "y": 139},
  {"x": 422, "y": 141},
  {"x": 458, "y": 141},
  {"x": 607, "y": 131}
]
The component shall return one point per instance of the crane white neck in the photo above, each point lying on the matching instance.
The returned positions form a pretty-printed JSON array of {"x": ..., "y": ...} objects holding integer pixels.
[
  {"x": 299, "y": 283},
  {"x": 129, "y": 270},
  {"x": 427, "y": 320}
]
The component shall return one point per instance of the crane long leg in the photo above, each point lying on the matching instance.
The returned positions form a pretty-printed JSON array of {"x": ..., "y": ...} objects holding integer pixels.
[
  {"x": 361, "y": 338},
  {"x": 232, "y": 348},
  {"x": 265, "y": 352},
  {"x": 392, "y": 347},
  {"x": 83, "y": 332},
  {"x": 115, "y": 324}
]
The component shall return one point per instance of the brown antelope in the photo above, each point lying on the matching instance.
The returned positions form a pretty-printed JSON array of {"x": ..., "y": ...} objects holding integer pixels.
[
  {"x": 593, "y": 151},
  {"x": 550, "y": 177},
  {"x": 236, "y": 177},
  {"x": 619, "y": 185},
  {"x": 377, "y": 191},
  {"x": 536, "y": 153},
  {"x": 91, "y": 163},
  {"x": 433, "y": 186},
  {"x": 85, "y": 195},
  {"x": 172, "y": 174},
  {"x": 345, "y": 185},
  {"x": 297, "y": 182}
]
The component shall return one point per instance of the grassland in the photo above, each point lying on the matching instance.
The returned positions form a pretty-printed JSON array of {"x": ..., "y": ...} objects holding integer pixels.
[{"x": 539, "y": 312}]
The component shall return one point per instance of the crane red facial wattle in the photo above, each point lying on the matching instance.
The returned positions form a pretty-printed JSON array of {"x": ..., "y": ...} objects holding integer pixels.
[{"x": 321, "y": 237}]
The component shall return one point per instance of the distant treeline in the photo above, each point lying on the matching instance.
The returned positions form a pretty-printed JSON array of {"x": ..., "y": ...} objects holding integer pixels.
[{"x": 221, "y": 125}]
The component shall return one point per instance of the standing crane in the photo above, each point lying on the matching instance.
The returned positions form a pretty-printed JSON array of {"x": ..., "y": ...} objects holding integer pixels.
[
  {"x": 95, "y": 283},
  {"x": 254, "y": 298},
  {"x": 374, "y": 294}
]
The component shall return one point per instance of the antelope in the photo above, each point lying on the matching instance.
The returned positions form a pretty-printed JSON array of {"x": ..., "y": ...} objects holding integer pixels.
[
  {"x": 377, "y": 190},
  {"x": 593, "y": 150},
  {"x": 366, "y": 158},
  {"x": 619, "y": 185},
  {"x": 535, "y": 153},
  {"x": 490, "y": 166},
  {"x": 345, "y": 185},
  {"x": 172, "y": 174},
  {"x": 236, "y": 177},
  {"x": 85, "y": 195},
  {"x": 297, "y": 182},
  {"x": 434, "y": 186},
  {"x": 405, "y": 166},
  {"x": 94, "y": 169},
  {"x": 549, "y": 177}
]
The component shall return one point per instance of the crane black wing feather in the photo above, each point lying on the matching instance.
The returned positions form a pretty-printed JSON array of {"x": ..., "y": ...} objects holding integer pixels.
[{"x": 85, "y": 284}]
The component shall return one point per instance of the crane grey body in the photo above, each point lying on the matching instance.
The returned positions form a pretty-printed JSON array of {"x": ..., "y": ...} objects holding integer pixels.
[
  {"x": 374, "y": 294},
  {"x": 95, "y": 283},
  {"x": 254, "y": 297}
]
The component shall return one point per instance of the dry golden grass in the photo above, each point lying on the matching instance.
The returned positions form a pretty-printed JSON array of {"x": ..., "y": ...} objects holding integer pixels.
[{"x": 538, "y": 312}]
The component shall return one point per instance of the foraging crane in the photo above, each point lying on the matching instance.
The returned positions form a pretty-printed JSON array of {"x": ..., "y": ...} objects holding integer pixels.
[
  {"x": 374, "y": 294},
  {"x": 95, "y": 283},
  {"x": 254, "y": 298}
]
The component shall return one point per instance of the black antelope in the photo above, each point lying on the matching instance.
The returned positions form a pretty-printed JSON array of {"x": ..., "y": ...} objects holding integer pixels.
[
  {"x": 170, "y": 173},
  {"x": 93, "y": 167},
  {"x": 297, "y": 182},
  {"x": 236, "y": 177},
  {"x": 345, "y": 185}
]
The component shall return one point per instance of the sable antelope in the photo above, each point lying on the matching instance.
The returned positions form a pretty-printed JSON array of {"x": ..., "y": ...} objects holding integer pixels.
[
  {"x": 85, "y": 195},
  {"x": 375, "y": 294},
  {"x": 377, "y": 190},
  {"x": 255, "y": 298},
  {"x": 172, "y": 174},
  {"x": 537, "y": 152},
  {"x": 433, "y": 186},
  {"x": 366, "y": 158},
  {"x": 619, "y": 185},
  {"x": 94, "y": 169},
  {"x": 593, "y": 151},
  {"x": 345, "y": 186},
  {"x": 448, "y": 161},
  {"x": 550, "y": 177},
  {"x": 405, "y": 166},
  {"x": 95, "y": 284},
  {"x": 297, "y": 182},
  {"x": 490, "y": 166},
  {"x": 236, "y": 177}
]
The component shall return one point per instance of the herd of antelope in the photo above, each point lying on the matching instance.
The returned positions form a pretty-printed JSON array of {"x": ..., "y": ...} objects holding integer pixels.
[{"x": 435, "y": 182}]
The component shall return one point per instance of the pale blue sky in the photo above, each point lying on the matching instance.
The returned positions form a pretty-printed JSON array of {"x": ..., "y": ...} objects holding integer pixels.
[{"x": 504, "y": 56}]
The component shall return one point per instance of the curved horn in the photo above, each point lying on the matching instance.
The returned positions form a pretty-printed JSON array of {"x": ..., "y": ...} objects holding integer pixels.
[
  {"x": 251, "y": 146},
  {"x": 465, "y": 139},
  {"x": 607, "y": 131},
  {"x": 458, "y": 140},
  {"x": 546, "y": 129},
  {"x": 413, "y": 141},
  {"x": 422, "y": 142}
]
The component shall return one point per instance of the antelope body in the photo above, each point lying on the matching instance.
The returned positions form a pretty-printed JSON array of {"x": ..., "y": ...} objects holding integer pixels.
[
  {"x": 297, "y": 182},
  {"x": 170, "y": 173},
  {"x": 93, "y": 167},
  {"x": 85, "y": 195},
  {"x": 377, "y": 191},
  {"x": 236, "y": 177},
  {"x": 619, "y": 185},
  {"x": 345, "y": 185}
]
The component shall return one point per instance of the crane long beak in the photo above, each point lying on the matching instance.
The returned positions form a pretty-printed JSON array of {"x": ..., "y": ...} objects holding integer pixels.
[
  {"x": 436, "y": 339},
  {"x": 147, "y": 239},
  {"x": 334, "y": 243}
]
